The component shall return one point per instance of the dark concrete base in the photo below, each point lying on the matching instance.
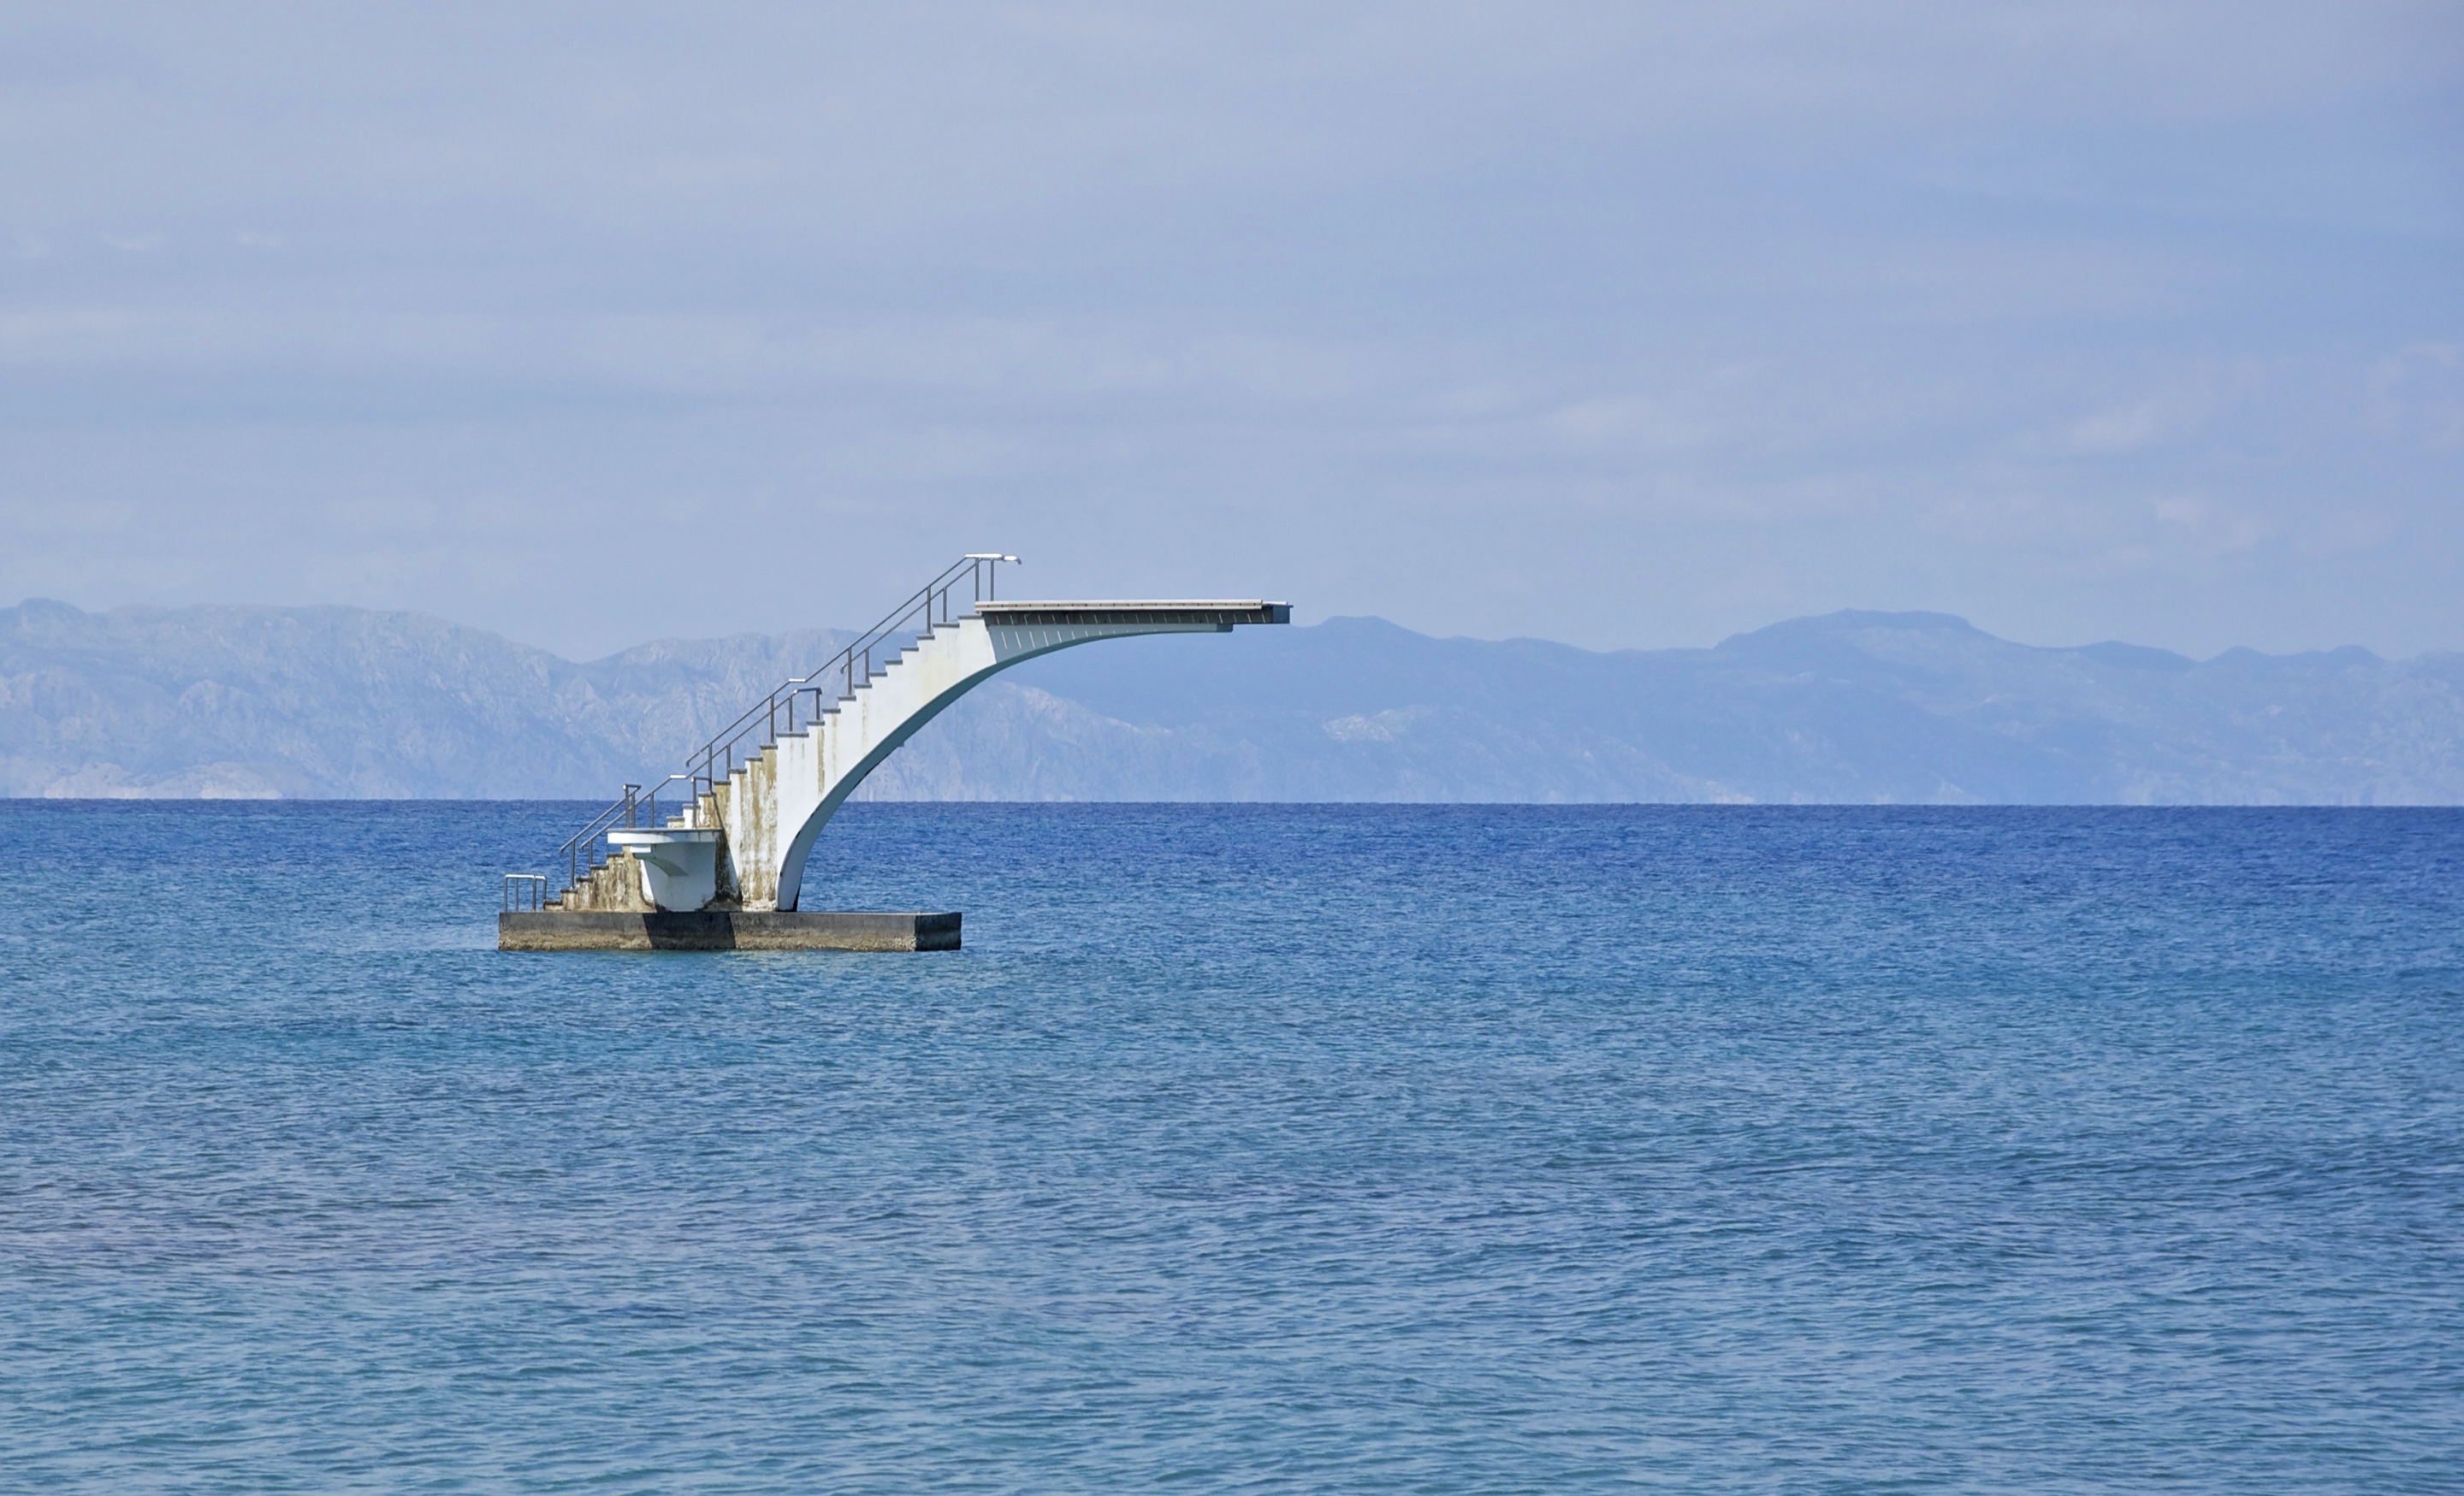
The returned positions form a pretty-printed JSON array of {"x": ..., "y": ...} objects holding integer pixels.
[{"x": 721, "y": 929}]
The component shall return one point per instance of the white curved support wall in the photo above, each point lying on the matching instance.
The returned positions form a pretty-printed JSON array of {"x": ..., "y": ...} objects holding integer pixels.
[{"x": 773, "y": 809}]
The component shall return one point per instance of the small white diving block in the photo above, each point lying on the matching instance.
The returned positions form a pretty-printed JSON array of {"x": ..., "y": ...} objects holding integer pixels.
[{"x": 679, "y": 867}]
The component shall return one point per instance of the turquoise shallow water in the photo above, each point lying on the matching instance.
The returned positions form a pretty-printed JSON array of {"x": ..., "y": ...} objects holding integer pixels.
[{"x": 1487, "y": 1149}]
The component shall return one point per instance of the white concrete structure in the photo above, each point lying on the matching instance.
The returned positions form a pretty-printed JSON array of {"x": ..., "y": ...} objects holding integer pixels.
[
  {"x": 763, "y": 816},
  {"x": 679, "y": 866}
]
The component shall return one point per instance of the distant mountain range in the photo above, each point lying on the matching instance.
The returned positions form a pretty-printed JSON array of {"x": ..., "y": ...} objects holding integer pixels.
[{"x": 1853, "y": 707}]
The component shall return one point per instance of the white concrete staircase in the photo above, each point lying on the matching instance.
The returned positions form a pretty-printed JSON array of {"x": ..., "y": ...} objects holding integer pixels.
[{"x": 759, "y": 795}]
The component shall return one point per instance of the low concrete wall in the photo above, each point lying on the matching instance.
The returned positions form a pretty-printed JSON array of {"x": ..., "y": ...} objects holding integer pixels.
[{"x": 725, "y": 929}]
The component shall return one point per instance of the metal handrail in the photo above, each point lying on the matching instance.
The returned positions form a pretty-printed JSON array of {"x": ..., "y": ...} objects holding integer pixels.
[
  {"x": 581, "y": 851},
  {"x": 971, "y": 579},
  {"x": 525, "y": 893}
]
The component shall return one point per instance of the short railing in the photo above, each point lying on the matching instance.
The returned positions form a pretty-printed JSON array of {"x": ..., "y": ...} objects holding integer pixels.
[
  {"x": 525, "y": 893},
  {"x": 954, "y": 595}
]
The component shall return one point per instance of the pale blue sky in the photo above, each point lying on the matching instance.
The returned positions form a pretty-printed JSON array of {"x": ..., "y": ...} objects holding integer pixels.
[{"x": 1621, "y": 324}]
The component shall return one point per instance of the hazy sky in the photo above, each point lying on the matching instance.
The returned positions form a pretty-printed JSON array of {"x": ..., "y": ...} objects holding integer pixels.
[{"x": 1617, "y": 323}]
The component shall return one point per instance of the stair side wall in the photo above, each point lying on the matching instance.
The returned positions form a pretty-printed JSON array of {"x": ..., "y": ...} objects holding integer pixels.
[
  {"x": 773, "y": 799},
  {"x": 613, "y": 886},
  {"x": 814, "y": 773}
]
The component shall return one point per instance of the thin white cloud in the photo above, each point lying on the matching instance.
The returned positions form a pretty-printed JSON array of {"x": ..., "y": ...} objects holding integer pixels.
[{"x": 1635, "y": 324}]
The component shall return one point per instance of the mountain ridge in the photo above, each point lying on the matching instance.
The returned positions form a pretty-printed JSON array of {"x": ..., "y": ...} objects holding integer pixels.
[{"x": 1856, "y": 706}]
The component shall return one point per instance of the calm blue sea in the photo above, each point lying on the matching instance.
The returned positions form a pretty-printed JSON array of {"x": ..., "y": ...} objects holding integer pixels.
[{"x": 1410, "y": 1149}]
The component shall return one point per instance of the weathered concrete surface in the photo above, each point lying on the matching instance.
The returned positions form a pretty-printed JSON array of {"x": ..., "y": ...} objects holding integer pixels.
[
  {"x": 725, "y": 929},
  {"x": 613, "y": 886}
]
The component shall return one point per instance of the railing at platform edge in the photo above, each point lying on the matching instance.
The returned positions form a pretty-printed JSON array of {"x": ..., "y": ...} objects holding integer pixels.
[{"x": 946, "y": 599}]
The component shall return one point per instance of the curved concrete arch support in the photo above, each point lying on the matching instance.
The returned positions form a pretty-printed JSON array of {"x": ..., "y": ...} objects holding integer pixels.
[{"x": 773, "y": 809}]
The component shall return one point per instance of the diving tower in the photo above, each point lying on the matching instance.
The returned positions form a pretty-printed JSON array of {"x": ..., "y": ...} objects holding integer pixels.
[{"x": 726, "y": 871}]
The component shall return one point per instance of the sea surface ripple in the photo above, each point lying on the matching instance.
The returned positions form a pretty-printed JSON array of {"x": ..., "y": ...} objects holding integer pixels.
[{"x": 1327, "y": 1148}]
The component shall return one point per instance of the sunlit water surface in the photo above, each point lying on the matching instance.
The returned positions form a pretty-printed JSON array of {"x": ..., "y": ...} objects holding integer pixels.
[{"x": 1507, "y": 1149}]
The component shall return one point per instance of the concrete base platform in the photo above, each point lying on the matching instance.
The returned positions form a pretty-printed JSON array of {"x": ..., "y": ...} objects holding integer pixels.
[{"x": 723, "y": 930}]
